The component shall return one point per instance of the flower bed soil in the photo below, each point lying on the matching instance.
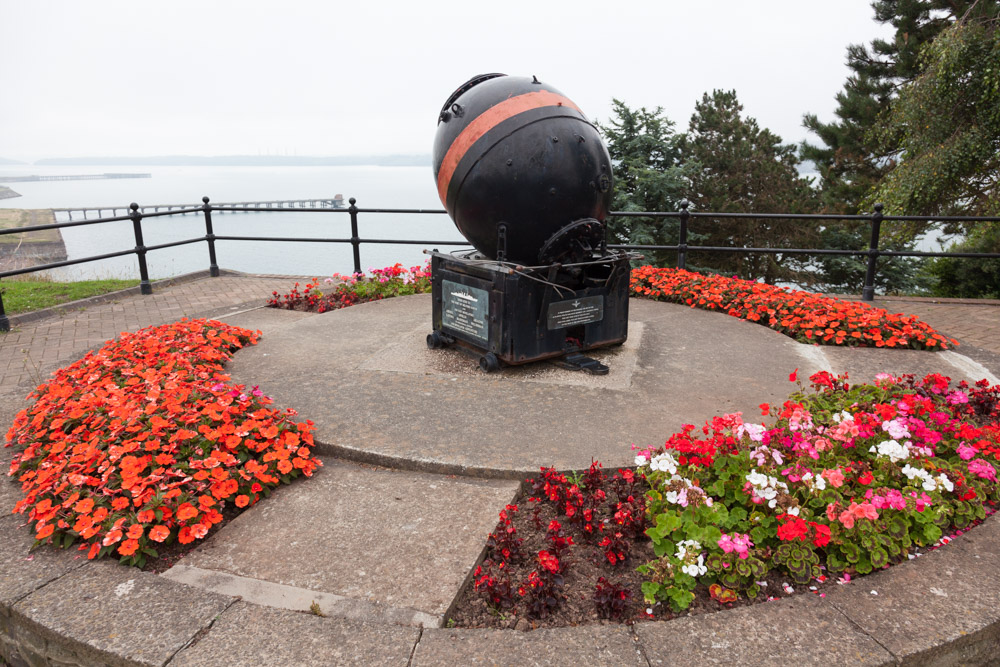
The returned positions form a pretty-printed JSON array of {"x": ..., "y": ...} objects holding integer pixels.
[
  {"x": 846, "y": 480},
  {"x": 588, "y": 563}
]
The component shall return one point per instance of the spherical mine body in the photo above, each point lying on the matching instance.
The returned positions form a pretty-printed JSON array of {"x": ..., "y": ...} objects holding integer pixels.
[{"x": 514, "y": 151}]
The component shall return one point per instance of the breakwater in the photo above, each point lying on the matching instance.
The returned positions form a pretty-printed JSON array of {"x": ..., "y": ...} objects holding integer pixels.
[
  {"x": 84, "y": 213},
  {"x": 68, "y": 177},
  {"x": 7, "y": 193}
]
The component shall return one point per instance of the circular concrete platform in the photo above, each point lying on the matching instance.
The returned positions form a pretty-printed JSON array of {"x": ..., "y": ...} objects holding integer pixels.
[{"x": 364, "y": 375}]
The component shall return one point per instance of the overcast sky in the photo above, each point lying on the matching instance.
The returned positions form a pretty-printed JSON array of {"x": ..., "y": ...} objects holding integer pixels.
[{"x": 326, "y": 77}]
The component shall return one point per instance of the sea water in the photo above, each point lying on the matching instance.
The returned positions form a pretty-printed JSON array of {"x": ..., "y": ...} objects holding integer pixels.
[{"x": 372, "y": 186}]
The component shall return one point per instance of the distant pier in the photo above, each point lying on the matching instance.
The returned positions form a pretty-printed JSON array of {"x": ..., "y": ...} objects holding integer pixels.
[
  {"x": 84, "y": 213},
  {"x": 79, "y": 177}
]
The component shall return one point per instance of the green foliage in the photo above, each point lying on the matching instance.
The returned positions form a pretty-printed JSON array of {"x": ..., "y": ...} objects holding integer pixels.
[
  {"x": 25, "y": 296},
  {"x": 849, "y": 161},
  {"x": 943, "y": 130},
  {"x": 970, "y": 278},
  {"x": 649, "y": 176},
  {"x": 742, "y": 168}
]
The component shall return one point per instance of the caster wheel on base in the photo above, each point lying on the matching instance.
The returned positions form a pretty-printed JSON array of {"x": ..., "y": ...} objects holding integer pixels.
[{"x": 489, "y": 363}]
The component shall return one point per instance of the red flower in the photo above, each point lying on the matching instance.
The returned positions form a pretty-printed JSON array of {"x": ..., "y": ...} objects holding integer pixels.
[
  {"x": 866, "y": 478},
  {"x": 793, "y": 528},
  {"x": 794, "y": 375}
]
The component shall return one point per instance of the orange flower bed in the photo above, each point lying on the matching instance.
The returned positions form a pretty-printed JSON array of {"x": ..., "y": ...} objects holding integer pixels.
[
  {"x": 804, "y": 316},
  {"x": 144, "y": 442}
]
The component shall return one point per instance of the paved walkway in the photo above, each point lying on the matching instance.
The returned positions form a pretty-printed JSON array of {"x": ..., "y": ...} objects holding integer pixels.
[
  {"x": 238, "y": 599},
  {"x": 35, "y": 347}
]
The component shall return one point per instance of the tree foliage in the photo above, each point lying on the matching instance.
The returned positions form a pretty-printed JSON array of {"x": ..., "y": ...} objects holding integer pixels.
[
  {"x": 739, "y": 167},
  {"x": 649, "y": 175},
  {"x": 850, "y": 162},
  {"x": 943, "y": 129}
]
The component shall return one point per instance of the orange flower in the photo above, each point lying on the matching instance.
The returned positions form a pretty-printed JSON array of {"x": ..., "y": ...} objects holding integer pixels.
[
  {"x": 119, "y": 503},
  {"x": 186, "y": 511},
  {"x": 135, "y": 531},
  {"x": 159, "y": 533},
  {"x": 44, "y": 531},
  {"x": 242, "y": 500},
  {"x": 128, "y": 547},
  {"x": 112, "y": 537},
  {"x": 185, "y": 536},
  {"x": 84, "y": 506}
]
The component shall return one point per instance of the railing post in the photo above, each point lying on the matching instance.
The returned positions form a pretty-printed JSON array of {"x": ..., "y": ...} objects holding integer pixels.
[
  {"x": 355, "y": 239},
  {"x": 4, "y": 321},
  {"x": 140, "y": 250},
  {"x": 868, "y": 291},
  {"x": 213, "y": 266},
  {"x": 683, "y": 238}
]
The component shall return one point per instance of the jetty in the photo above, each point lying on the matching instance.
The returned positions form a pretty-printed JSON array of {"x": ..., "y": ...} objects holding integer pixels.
[
  {"x": 84, "y": 213},
  {"x": 68, "y": 177}
]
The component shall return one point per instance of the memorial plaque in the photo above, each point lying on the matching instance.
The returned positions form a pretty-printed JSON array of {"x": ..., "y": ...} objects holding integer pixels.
[
  {"x": 466, "y": 310},
  {"x": 564, "y": 314}
]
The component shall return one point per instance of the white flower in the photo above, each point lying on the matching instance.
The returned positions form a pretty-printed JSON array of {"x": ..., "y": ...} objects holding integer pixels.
[
  {"x": 794, "y": 511},
  {"x": 640, "y": 460},
  {"x": 843, "y": 416},
  {"x": 945, "y": 482},
  {"x": 664, "y": 462},
  {"x": 893, "y": 450},
  {"x": 695, "y": 569}
]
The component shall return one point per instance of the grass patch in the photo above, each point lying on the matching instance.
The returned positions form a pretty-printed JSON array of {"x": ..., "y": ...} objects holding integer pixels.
[{"x": 25, "y": 296}]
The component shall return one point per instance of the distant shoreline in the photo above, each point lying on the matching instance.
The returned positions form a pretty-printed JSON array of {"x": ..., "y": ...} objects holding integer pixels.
[
  {"x": 7, "y": 193},
  {"x": 245, "y": 161}
]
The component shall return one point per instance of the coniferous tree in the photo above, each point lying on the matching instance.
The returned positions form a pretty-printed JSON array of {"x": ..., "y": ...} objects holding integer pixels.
[
  {"x": 850, "y": 162},
  {"x": 739, "y": 167},
  {"x": 649, "y": 176}
]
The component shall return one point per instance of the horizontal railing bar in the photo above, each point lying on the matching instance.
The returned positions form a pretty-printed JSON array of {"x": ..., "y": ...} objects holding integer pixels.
[
  {"x": 180, "y": 211},
  {"x": 175, "y": 243},
  {"x": 773, "y": 251},
  {"x": 919, "y": 253},
  {"x": 68, "y": 262},
  {"x": 60, "y": 225},
  {"x": 251, "y": 209},
  {"x": 219, "y": 237},
  {"x": 802, "y": 216}
]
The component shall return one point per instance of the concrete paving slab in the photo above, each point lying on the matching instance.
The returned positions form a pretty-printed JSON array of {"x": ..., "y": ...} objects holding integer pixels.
[
  {"x": 938, "y": 609},
  {"x": 248, "y": 634},
  {"x": 410, "y": 355},
  {"x": 864, "y": 363},
  {"x": 11, "y": 402},
  {"x": 797, "y": 631},
  {"x": 336, "y": 369},
  {"x": 23, "y": 571},
  {"x": 359, "y": 533},
  {"x": 104, "y": 613},
  {"x": 264, "y": 318},
  {"x": 569, "y": 647},
  {"x": 364, "y": 375}
]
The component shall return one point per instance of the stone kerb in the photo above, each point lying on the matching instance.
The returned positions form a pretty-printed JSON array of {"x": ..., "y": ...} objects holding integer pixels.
[{"x": 57, "y": 608}]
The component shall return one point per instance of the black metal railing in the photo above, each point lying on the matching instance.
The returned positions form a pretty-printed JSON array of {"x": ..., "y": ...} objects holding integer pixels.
[{"x": 684, "y": 216}]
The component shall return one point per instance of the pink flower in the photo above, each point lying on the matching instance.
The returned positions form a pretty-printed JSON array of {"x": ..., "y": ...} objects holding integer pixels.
[
  {"x": 966, "y": 451},
  {"x": 834, "y": 476},
  {"x": 982, "y": 468},
  {"x": 957, "y": 398}
]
